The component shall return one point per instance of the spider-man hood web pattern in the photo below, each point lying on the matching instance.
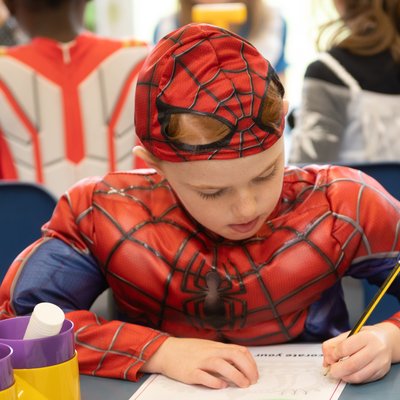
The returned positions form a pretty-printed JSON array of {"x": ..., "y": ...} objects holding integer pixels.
[{"x": 202, "y": 69}]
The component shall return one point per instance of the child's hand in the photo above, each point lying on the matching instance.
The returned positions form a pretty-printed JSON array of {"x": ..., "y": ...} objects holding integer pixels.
[
  {"x": 204, "y": 362},
  {"x": 365, "y": 356}
]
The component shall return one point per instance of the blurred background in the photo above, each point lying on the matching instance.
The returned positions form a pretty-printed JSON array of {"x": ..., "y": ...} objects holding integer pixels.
[{"x": 138, "y": 18}]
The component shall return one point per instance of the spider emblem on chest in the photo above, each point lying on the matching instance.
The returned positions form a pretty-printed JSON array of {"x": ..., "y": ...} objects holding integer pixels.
[{"x": 215, "y": 298}]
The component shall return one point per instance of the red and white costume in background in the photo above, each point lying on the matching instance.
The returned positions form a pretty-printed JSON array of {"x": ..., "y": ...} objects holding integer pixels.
[
  {"x": 66, "y": 109},
  {"x": 171, "y": 276}
]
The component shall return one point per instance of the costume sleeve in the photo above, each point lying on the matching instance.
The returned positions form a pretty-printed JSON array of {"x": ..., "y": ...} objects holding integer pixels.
[
  {"x": 371, "y": 228},
  {"x": 60, "y": 268},
  {"x": 7, "y": 168},
  {"x": 320, "y": 119}
]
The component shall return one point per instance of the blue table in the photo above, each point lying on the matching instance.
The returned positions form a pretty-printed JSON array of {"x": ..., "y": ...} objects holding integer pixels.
[{"x": 93, "y": 388}]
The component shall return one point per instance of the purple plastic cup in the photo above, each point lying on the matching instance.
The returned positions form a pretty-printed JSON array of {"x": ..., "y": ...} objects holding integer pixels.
[
  {"x": 6, "y": 370},
  {"x": 36, "y": 353}
]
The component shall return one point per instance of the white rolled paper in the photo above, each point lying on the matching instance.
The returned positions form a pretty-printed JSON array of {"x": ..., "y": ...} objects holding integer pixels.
[{"x": 46, "y": 320}]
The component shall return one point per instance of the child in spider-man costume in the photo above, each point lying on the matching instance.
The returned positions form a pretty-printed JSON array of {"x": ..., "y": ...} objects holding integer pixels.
[{"x": 220, "y": 246}]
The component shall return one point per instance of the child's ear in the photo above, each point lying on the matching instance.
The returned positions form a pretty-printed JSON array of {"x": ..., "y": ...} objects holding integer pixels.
[
  {"x": 148, "y": 158},
  {"x": 285, "y": 105}
]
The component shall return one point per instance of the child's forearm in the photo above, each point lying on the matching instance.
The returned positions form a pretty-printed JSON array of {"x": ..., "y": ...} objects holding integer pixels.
[{"x": 113, "y": 349}]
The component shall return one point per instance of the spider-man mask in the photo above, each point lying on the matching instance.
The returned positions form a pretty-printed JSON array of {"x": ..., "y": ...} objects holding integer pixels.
[{"x": 205, "y": 70}]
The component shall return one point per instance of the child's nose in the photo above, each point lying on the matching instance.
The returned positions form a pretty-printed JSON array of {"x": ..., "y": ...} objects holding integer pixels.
[{"x": 245, "y": 206}]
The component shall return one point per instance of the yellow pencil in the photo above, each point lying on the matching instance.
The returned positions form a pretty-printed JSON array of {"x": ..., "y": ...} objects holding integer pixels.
[
  {"x": 376, "y": 299},
  {"x": 373, "y": 303}
]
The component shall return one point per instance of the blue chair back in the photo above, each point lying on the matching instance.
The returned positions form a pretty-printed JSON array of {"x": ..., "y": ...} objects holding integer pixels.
[
  {"x": 24, "y": 208},
  {"x": 388, "y": 175}
]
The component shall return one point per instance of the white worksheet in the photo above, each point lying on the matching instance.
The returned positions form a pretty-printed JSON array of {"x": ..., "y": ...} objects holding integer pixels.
[{"x": 286, "y": 372}]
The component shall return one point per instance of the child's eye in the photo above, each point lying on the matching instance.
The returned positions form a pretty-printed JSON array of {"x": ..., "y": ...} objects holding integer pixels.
[
  {"x": 211, "y": 196},
  {"x": 267, "y": 177},
  {"x": 262, "y": 178}
]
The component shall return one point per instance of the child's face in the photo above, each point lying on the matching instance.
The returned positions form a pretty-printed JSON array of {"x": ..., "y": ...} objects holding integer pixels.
[{"x": 232, "y": 198}]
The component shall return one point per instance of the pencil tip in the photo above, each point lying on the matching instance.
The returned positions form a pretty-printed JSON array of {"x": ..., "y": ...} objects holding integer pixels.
[{"x": 325, "y": 371}]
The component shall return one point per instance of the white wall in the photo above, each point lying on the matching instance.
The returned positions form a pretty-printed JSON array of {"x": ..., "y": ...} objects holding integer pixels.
[
  {"x": 114, "y": 18},
  {"x": 148, "y": 13},
  {"x": 137, "y": 18}
]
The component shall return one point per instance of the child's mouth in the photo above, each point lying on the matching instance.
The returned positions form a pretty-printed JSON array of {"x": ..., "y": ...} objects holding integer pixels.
[{"x": 244, "y": 228}]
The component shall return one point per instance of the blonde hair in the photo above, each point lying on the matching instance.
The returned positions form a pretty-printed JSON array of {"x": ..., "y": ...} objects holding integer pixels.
[
  {"x": 367, "y": 27},
  {"x": 201, "y": 129}
]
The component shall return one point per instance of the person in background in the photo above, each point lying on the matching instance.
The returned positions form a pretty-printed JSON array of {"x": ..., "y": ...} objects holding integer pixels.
[
  {"x": 265, "y": 28},
  {"x": 350, "y": 106},
  {"x": 10, "y": 34},
  {"x": 219, "y": 246},
  {"x": 67, "y": 97}
]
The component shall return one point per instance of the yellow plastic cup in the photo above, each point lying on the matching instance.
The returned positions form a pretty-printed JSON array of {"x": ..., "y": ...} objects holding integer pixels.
[
  {"x": 60, "y": 381},
  {"x": 9, "y": 393}
]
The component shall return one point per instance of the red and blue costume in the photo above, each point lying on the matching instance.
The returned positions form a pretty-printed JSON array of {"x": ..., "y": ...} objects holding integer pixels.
[
  {"x": 171, "y": 276},
  {"x": 128, "y": 231}
]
